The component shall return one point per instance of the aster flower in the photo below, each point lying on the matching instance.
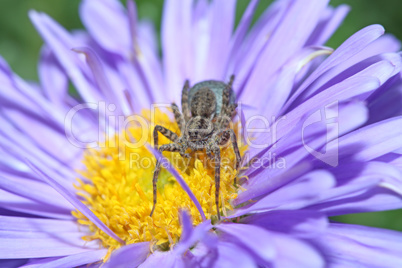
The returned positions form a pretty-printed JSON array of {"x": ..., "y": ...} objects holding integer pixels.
[{"x": 326, "y": 141}]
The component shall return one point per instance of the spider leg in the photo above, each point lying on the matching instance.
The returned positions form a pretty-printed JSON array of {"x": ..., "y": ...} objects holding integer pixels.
[
  {"x": 179, "y": 117},
  {"x": 222, "y": 122},
  {"x": 165, "y": 132},
  {"x": 184, "y": 101},
  {"x": 226, "y": 97},
  {"x": 171, "y": 136},
  {"x": 173, "y": 147},
  {"x": 217, "y": 154},
  {"x": 225, "y": 136},
  {"x": 232, "y": 78},
  {"x": 225, "y": 100}
]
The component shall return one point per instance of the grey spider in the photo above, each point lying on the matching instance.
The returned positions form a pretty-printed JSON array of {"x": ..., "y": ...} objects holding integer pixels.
[{"x": 212, "y": 105}]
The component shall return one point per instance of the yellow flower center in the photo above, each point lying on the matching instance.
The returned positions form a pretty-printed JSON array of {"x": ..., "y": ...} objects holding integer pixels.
[{"x": 118, "y": 187}]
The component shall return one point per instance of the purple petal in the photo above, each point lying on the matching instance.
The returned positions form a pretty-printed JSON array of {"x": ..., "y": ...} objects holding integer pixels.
[
  {"x": 348, "y": 245},
  {"x": 132, "y": 21},
  {"x": 17, "y": 203},
  {"x": 380, "y": 138},
  {"x": 140, "y": 69},
  {"x": 295, "y": 253},
  {"x": 60, "y": 42},
  {"x": 111, "y": 33},
  {"x": 176, "y": 39},
  {"x": 240, "y": 34},
  {"x": 386, "y": 104},
  {"x": 300, "y": 223},
  {"x": 369, "y": 235},
  {"x": 243, "y": 123},
  {"x": 10, "y": 263},
  {"x": 34, "y": 225},
  {"x": 129, "y": 256},
  {"x": 53, "y": 80},
  {"x": 368, "y": 200},
  {"x": 394, "y": 159},
  {"x": 351, "y": 116},
  {"x": 186, "y": 226},
  {"x": 19, "y": 146},
  {"x": 204, "y": 253},
  {"x": 297, "y": 194},
  {"x": 274, "y": 156},
  {"x": 17, "y": 90},
  {"x": 275, "y": 182},
  {"x": 161, "y": 259},
  {"x": 257, "y": 41},
  {"x": 349, "y": 88},
  {"x": 200, "y": 38},
  {"x": 147, "y": 61},
  {"x": 362, "y": 187},
  {"x": 115, "y": 95},
  {"x": 375, "y": 66},
  {"x": 328, "y": 25},
  {"x": 279, "y": 92},
  {"x": 294, "y": 123},
  {"x": 34, "y": 190},
  {"x": 75, "y": 202},
  {"x": 255, "y": 238},
  {"x": 16, "y": 244},
  {"x": 37, "y": 262},
  {"x": 349, "y": 48},
  {"x": 295, "y": 26},
  {"x": 47, "y": 168},
  {"x": 75, "y": 260},
  {"x": 292, "y": 152},
  {"x": 220, "y": 37},
  {"x": 190, "y": 237},
  {"x": 144, "y": 52},
  {"x": 140, "y": 97},
  {"x": 232, "y": 255},
  {"x": 34, "y": 128},
  {"x": 369, "y": 174},
  {"x": 147, "y": 34}
]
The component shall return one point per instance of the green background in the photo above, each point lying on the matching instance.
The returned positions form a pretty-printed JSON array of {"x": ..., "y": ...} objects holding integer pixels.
[{"x": 20, "y": 46}]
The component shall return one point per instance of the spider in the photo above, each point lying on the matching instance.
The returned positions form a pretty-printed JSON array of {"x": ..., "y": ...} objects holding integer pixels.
[{"x": 212, "y": 105}]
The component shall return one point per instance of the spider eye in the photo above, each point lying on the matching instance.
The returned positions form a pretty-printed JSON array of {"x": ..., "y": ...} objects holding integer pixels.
[{"x": 193, "y": 132}]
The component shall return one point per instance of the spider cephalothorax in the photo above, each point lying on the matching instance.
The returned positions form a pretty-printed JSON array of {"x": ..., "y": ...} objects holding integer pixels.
[{"x": 212, "y": 104}]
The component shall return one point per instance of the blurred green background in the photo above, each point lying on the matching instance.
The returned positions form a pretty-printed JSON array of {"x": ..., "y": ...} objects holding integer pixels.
[{"x": 20, "y": 46}]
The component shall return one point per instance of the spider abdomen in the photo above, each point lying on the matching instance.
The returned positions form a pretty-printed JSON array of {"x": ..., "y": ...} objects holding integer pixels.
[
  {"x": 197, "y": 93},
  {"x": 203, "y": 103}
]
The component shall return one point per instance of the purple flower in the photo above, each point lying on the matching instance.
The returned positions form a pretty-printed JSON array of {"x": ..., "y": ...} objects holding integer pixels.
[{"x": 321, "y": 129}]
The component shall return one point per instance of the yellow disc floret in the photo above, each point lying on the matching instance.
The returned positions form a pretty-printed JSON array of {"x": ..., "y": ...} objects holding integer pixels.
[{"x": 117, "y": 187}]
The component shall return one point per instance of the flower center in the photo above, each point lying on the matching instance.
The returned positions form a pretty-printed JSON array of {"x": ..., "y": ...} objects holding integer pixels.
[{"x": 118, "y": 187}]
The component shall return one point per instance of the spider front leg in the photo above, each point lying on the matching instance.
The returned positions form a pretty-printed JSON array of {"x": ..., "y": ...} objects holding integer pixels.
[
  {"x": 184, "y": 101},
  {"x": 226, "y": 107},
  {"x": 209, "y": 154},
  {"x": 232, "y": 78},
  {"x": 165, "y": 132},
  {"x": 173, "y": 147},
  {"x": 222, "y": 138},
  {"x": 225, "y": 136},
  {"x": 179, "y": 117},
  {"x": 217, "y": 152}
]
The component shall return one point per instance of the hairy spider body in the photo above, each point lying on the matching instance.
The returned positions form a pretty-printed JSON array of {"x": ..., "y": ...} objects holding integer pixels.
[{"x": 212, "y": 105}]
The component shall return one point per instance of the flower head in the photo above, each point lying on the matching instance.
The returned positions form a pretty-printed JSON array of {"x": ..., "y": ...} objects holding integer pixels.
[{"x": 318, "y": 131}]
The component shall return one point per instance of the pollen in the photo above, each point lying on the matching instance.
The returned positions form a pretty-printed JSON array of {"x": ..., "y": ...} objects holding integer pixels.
[{"x": 116, "y": 184}]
